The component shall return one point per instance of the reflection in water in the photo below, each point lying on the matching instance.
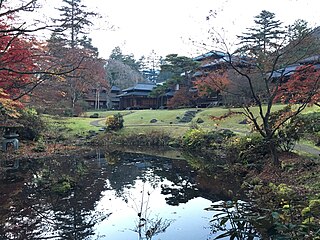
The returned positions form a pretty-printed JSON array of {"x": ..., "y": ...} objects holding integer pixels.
[
  {"x": 234, "y": 220},
  {"x": 55, "y": 200},
  {"x": 147, "y": 225},
  {"x": 111, "y": 195}
]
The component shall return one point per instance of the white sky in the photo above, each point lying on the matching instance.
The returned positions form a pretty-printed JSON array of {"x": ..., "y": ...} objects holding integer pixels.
[{"x": 166, "y": 26}]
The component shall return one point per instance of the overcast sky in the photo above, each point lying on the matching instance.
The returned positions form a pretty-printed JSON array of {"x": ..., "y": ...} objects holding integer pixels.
[{"x": 166, "y": 26}]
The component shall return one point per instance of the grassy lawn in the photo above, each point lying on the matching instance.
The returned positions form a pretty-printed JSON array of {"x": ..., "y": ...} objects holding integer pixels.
[
  {"x": 104, "y": 113},
  {"x": 70, "y": 126},
  {"x": 162, "y": 116},
  {"x": 167, "y": 120}
]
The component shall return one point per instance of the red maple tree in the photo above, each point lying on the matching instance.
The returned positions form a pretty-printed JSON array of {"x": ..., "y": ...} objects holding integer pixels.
[
  {"x": 212, "y": 82},
  {"x": 16, "y": 63},
  {"x": 302, "y": 87}
]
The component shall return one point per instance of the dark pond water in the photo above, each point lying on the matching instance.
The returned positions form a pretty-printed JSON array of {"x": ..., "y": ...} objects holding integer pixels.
[{"x": 118, "y": 196}]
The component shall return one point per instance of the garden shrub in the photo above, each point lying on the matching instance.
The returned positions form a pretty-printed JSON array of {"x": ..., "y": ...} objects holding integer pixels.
[
  {"x": 95, "y": 115},
  {"x": 114, "y": 122},
  {"x": 311, "y": 123},
  {"x": 68, "y": 112},
  {"x": 195, "y": 138},
  {"x": 199, "y": 138},
  {"x": 247, "y": 149},
  {"x": 150, "y": 138},
  {"x": 289, "y": 134},
  {"x": 33, "y": 125},
  {"x": 301, "y": 126},
  {"x": 40, "y": 146}
]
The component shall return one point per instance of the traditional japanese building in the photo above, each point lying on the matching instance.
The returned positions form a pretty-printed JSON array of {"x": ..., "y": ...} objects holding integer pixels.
[
  {"x": 97, "y": 98},
  {"x": 138, "y": 97}
]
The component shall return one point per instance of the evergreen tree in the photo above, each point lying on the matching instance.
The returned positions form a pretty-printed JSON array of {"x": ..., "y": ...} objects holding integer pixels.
[
  {"x": 72, "y": 47},
  {"x": 116, "y": 54},
  {"x": 265, "y": 37},
  {"x": 74, "y": 19},
  {"x": 298, "y": 30},
  {"x": 179, "y": 69}
]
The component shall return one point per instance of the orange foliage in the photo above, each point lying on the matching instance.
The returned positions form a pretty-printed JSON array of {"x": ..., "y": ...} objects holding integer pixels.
[
  {"x": 17, "y": 62},
  {"x": 302, "y": 87},
  {"x": 181, "y": 98},
  {"x": 226, "y": 115},
  {"x": 212, "y": 82}
]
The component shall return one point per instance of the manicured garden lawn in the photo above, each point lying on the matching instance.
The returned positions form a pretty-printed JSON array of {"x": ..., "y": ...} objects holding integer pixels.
[
  {"x": 167, "y": 120},
  {"x": 162, "y": 117},
  {"x": 104, "y": 113},
  {"x": 71, "y": 125}
]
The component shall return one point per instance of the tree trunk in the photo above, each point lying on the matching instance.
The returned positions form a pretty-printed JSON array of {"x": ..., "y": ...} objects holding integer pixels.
[{"x": 274, "y": 153}]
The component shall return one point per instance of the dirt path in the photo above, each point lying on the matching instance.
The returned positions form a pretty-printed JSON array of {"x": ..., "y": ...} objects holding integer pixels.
[
  {"x": 96, "y": 123},
  {"x": 307, "y": 149}
]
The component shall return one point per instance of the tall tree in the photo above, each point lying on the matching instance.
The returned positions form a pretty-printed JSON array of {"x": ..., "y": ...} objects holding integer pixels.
[
  {"x": 123, "y": 70},
  {"x": 266, "y": 56},
  {"x": 150, "y": 66},
  {"x": 179, "y": 71},
  {"x": 180, "y": 68},
  {"x": 122, "y": 75},
  {"x": 266, "y": 36},
  {"x": 20, "y": 58},
  {"x": 129, "y": 60},
  {"x": 303, "y": 84},
  {"x": 72, "y": 46},
  {"x": 73, "y": 22}
]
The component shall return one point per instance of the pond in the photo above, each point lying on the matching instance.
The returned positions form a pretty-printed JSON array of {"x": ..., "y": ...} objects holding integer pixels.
[{"x": 110, "y": 195}]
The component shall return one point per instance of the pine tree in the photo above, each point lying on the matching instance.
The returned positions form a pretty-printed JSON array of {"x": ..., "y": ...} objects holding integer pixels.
[
  {"x": 72, "y": 47},
  {"x": 265, "y": 37},
  {"x": 73, "y": 22}
]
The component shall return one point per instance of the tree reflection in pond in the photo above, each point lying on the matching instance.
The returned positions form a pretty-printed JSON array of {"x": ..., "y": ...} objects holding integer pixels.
[
  {"x": 148, "y": 225},
  {"x": 234, "y": 220},
  {"x": 53, "y": 202},
  {"x": 73, "y": 197}
]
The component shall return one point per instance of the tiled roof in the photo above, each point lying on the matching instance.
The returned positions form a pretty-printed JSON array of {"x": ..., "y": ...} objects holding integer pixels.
[
  {"x": 115, "y": 88},
  {"x": 312, "y": 59},
  {"x": 289, "y": 70},
  {"x": 135, "y": 93},
  {"x": 141, "y": 87},
  {"x": 215, "y": 54}
]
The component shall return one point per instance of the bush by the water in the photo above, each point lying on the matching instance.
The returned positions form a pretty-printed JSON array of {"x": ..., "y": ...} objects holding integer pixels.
[
  {"x": 199, "y": 138},
  {"x": 114, "y": 122},
  {"x": 302, "y": 126},
  {"x": 150, "y": 138},
  {"x": 247, "y": 149},
  {"x": 32, "y": 123}
]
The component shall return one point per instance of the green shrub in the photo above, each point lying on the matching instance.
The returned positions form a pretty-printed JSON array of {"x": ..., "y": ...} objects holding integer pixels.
[
  {"x": 40, "y": 146},
  {"x": 33, "y": 125},
  {"x": 311, "y": 123},
  {"x": 301, "y": 126},
  {"x": 150, "y": 138},
  {"x": 68, "y": 112},
  {"x": 247, "y": 149},
  {"x": 198, "y": 138},
  {"x": 114, "y": 122},
  {"x": 289, "y": 134},
  {"x": 195, "y": 138},
  {"x": 95, "y": 115}
]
